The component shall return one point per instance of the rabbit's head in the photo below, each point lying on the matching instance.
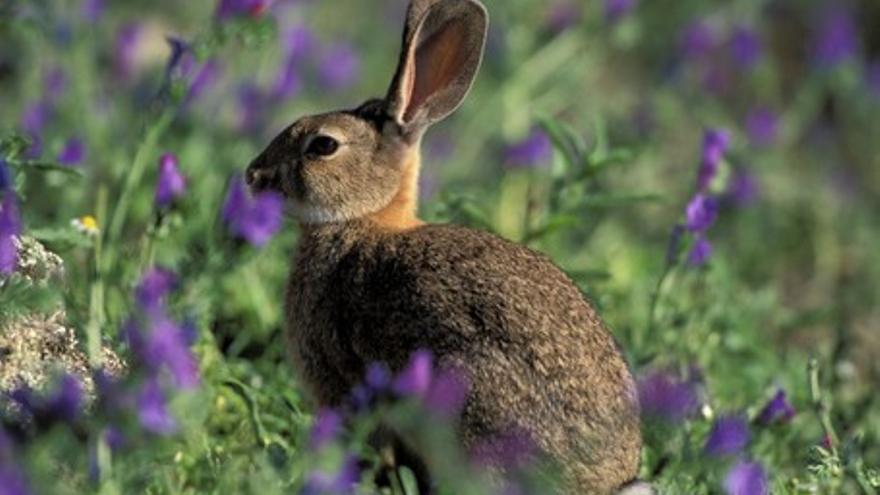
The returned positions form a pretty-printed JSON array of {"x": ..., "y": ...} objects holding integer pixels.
[{"x": 363, "y": 162}]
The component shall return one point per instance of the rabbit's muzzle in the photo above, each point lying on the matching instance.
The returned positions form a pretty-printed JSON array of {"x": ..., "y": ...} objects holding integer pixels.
[{"x": 261, "y": 176}]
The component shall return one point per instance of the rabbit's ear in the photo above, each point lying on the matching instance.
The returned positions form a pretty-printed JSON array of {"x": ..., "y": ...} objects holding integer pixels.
[{"x": 442, "y": 48}]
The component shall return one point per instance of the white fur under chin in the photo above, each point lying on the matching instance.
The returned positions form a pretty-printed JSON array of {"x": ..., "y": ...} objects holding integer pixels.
[
  {"x": 314, "y": 214},
  {"x": 638, "y": 488}
]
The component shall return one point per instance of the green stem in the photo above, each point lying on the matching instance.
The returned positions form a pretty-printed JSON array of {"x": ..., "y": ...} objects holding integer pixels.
[
  {"x": 821, "y": 405},
  {"x": 96, "y": 294}
]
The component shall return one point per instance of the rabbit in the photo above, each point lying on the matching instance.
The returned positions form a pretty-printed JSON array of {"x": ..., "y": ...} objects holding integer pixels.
[{"x": 371, "y": 282}]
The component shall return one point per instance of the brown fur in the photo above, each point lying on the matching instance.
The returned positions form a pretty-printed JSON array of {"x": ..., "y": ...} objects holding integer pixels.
[{"x": 372, "y": 283}]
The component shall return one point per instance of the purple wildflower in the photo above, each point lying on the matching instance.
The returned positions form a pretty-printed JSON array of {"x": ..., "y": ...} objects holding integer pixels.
[
  {"x": 701, "y": 213},
  {"x": 873, "y": 78},
  {"x": 167, "y": 345},
  {"x": 700, "y": 252},
  {"x": 252, "y": 104},
  {"x": 204, "y": 80},
  {"x": 743, "y": 188},
  {"x": 616, "y": 10},
  {"x": 339, "y": 483},
  {"x": 715, "y": 145},
  {"x": 65, "y": 403},
  {"x": 665, "y": 397},
  {"x": 327, "y": 426},
  {"x": 153, "y": 411},
  {"x": 448, "y": 393},
  {"x": 674, "y": 245},
  {"x": 73, "y": 152},
  {"x": 234, "y": 8},
  {"x": 171, "y": 184},
  {"x": 256, "y": 219},
  {"x": 115, "y": 439},
  {"x": 746, "y": 478},
  {"x": 180, "y": 58},
  {"x": 729, "y": 435},
  {"x": 10, "y": 226},
  {"x": 35, "y": 117},
  {"x": 5, "y": 178},
  {"x": 836, "y": 38},
  {"x": 54, "y": 83},
  {"x": 698, "y": 39},
  {"x": 92, "y": 10},
  {"x": 762, "y": 125},
  {"x": 125, "y": 50},
  {"x": 298, "y": 42},
  {"x": 156, "y": 283},
  {"x": 415, "y": 379},
  {"x": 378, "y": 377},
  {"x": 778, "y": 409},
  {"x": 287, "y": 81},
  {"x": 338, "y": 66},
  {"x": 12, "y": 481},
  {"x": 563, "y": 15},
  {"x": 533, "y": 150},
  {"x": 745, "y": 47}
]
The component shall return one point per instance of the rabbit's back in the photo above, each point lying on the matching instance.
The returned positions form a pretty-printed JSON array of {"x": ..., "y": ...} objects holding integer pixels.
[{"x": 539, "y": 360}]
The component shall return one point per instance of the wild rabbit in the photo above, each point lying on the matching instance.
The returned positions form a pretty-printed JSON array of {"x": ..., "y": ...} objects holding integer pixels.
[{"x": 373, "y": 283}]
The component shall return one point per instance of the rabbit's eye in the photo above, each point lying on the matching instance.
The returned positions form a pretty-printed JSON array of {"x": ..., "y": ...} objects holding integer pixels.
[{"x": 322, "y": 146}]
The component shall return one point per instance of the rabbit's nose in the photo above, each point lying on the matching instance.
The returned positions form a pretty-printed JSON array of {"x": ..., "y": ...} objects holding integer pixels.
[{"x": 260, "y": 179}]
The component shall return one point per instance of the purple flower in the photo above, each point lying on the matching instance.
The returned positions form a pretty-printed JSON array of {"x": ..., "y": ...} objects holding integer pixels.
[
  {"x": 125, "y": 50},
  {"x": 701, "y": 213},
  {"x": 778, "y": 409},
  {"x": 415, "y": 379},
  {"x": 378, "y": 377},
  {"x": 5, "y": 178},
  {"x": 254, "y": 219},
  {"x": 618, "y": 9},
  {"x": 674, "y": 245},
  {"x": 665, "y": 397},
  {"x": 338, "y": 66},
  {"x": 10, "y": 226},
  {"x": 65, "y": 403},
  {"x": 873, "y": 77},
  {"x": 204, "y": 80},
  {"x": 698, "y": 39},
  {"x": 252, "y": 104},
  {"x": 746, "y": 478},
  {"x": 534, "y": 150},
  {"x": 234, "y": 8},
  {"x": 171, "y": 184},
  {"x": 743, "y": 188},
  {"x": 836, "y": 39},
  {"x": 73, "y": 152},
  {"x": 154, "y": 286},
  {"x": 287, "y": 81},
  {"x": 448, "y": 393},
  {"x": 729, "y": 435},
  {"x": 12, "y": 480},
  {"x": 745, "y": 47},
  {"x": 715, "y": 145},
  {"x": 298, "y": 42},
  {"x": 700, "y": 252},
  {"x": 762, "y": 125},
  {"x": 167, "y": 344},
  {"x": 153, "y": 411},
  {"x": 35, "y": 117},
  {"x": 180, "y": 58},
  {"x": 55, "y": 83},
  {"x": 92, "y": 10},
  {"x": 339, "y": 483},
  {"x": 327, "y": 426},
  {"x": 564, "y": 14}
]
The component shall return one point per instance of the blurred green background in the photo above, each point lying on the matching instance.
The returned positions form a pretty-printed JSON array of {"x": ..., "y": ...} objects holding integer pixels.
[{"x": 582, "y": 138}]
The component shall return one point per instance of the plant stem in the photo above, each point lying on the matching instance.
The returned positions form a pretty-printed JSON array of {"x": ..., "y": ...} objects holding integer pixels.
[{"x": 821, "y": 405}]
